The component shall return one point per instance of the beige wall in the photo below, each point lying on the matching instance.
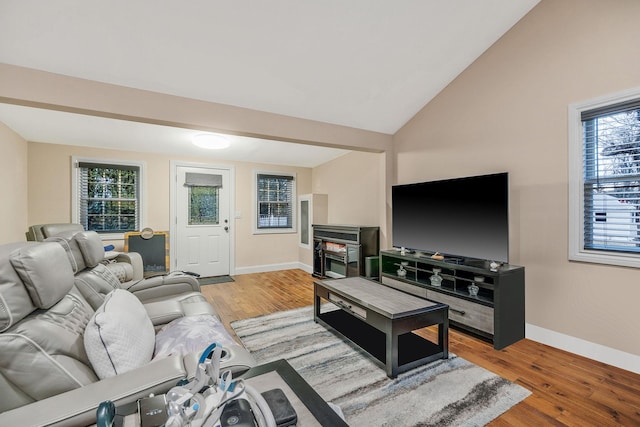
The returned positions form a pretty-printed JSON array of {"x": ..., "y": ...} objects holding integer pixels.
[
  {"x": 352, "y": 182},
  {"x": 508, "y": 112},
  {"x": 264, "y": 249},
  {"x": 356, "y": 185},
  {"x": 13, "y": 175},
  {"x": 50, "y": 196}
]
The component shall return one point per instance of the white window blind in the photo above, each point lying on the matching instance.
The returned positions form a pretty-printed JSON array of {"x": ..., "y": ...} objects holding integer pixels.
[
  {"x": 275, "y": 201},
  {"x": 611, "y": 177},
  {"x": 108, "y": 197}
]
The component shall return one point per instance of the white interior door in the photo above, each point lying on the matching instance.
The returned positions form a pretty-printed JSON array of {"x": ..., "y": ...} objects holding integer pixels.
[{"x": 202, "y": 220}]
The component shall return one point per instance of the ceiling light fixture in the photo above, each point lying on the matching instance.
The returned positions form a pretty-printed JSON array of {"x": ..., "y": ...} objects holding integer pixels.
[{"x": 210, "y": 141}]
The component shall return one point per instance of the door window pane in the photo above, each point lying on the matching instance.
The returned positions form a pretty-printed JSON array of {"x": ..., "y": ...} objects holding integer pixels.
[{"x": 203, "y": 206}]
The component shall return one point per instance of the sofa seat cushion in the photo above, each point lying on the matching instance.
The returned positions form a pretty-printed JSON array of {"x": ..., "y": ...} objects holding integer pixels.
[
  {"x": 119, "y": 336},
  {"x": 190, "y": 334}
]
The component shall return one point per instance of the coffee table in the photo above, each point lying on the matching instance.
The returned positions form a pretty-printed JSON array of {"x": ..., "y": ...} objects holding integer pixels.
[{"x": 380, "y": 320}]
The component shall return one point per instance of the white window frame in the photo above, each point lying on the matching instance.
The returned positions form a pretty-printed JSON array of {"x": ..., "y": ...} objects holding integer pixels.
[
  {"x": 288, "y": 230},
  {"x": 577, "y": 252},
  {"x": 75, "y": 195}
]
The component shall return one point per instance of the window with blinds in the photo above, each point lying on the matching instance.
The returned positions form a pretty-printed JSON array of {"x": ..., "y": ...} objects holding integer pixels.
[
  {"x": 275, "y": 195},
  {"x": 611, "y": 177},
  {"x": 108, "y": 197}
]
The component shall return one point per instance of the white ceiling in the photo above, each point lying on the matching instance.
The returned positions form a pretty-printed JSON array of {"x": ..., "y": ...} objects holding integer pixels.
[{"x": 368, "y": 64}]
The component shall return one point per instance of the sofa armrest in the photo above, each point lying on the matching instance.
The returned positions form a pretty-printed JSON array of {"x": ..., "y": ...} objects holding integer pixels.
[
  {"x": 78, "y": 406},
  {"x": 163, "y": 312},
  {"x": 135, "y": 259},
  {"x": 163, "y": 286}
]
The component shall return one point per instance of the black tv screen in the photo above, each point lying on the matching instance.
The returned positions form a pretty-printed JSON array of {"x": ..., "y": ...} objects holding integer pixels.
[{"x": 462, "y": 218}]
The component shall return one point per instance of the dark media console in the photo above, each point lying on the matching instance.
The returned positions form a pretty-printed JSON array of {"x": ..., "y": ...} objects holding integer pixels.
[{"x": 484, "y": 301}]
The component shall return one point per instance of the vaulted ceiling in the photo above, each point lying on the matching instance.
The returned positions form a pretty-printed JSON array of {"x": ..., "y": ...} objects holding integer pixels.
[{"x": 365, "y": 64}]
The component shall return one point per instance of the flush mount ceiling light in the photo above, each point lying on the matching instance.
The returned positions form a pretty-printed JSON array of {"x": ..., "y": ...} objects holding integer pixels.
[{"x": 210, "y": 141}]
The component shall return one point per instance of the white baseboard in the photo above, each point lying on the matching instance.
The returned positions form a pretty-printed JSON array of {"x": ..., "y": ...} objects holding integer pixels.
[
  {"x": 273, "y": 267},
  {"x": 305, "y": 267},
  {"x": 610, "y": 356}
]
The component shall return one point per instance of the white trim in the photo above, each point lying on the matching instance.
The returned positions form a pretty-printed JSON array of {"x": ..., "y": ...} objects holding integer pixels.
[
  {"x": 232, "y": 208},
  {"x": 273, "y": 267},
  {"x": 576, "y": 194},
  {"x": 598, "y": 352},
  {"x": 294, "y": 203},
  {"x": 142, "y": 183}
]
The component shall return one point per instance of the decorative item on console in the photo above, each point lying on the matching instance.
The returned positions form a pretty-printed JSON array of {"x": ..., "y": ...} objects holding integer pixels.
[
  {"x": 401, "y": 271},
  {"x": 436, "y": 279},
  {"x": 473, "y": 287}
]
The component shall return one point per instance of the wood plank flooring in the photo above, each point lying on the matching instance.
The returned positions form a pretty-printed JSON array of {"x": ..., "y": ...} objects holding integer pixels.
[{"x": 568, "y": 390}]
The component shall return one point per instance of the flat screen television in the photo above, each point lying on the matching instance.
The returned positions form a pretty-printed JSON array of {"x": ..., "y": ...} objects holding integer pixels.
[{"x": 459, "y": 218}]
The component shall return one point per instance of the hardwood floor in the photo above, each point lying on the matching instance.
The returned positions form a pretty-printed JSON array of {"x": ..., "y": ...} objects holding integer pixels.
[{"x": 567, "y": 390}]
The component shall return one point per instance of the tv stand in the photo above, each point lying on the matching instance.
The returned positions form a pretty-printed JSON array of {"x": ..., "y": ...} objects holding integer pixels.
[{"x": 496, "y": 313}]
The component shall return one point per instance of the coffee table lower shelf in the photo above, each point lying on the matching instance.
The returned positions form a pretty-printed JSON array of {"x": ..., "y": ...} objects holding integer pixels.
[{"x": 413, "y": 350}]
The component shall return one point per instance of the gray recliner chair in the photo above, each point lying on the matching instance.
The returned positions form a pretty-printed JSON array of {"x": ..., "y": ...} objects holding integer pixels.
[
  {"x": 95, "y": 279},
  {"x": 126, "y": 265},
  {"x": 59, "y": 358}
]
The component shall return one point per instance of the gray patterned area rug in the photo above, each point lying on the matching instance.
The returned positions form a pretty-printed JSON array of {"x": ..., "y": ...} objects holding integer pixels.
[{"x": 452, "y": 392}]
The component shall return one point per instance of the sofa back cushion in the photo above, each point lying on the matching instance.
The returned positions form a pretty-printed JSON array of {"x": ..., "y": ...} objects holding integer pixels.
[
  {"x": 91, "y": 247},
  {"x": 96, "y": 283},
  {"x": 119, "y": 336},
  {"x": 71, "y": 248},
  {"x": 45, "y": 272}
]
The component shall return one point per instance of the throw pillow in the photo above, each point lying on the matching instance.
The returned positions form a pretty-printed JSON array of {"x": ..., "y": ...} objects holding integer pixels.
[{"x": 120, "y": 336}]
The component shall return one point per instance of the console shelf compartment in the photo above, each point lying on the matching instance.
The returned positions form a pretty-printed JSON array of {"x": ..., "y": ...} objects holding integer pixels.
[{"x": 496, "y": 313}]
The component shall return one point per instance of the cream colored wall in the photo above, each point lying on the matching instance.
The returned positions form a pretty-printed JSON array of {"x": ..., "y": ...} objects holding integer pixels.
[
  {"x": 49, "y": 191},
  {"x": 14, "y": 178},
  {"x": 508, "y": 112},
  {"x": 352, "y": 182},
  {"x": 264, "y": 249}
]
